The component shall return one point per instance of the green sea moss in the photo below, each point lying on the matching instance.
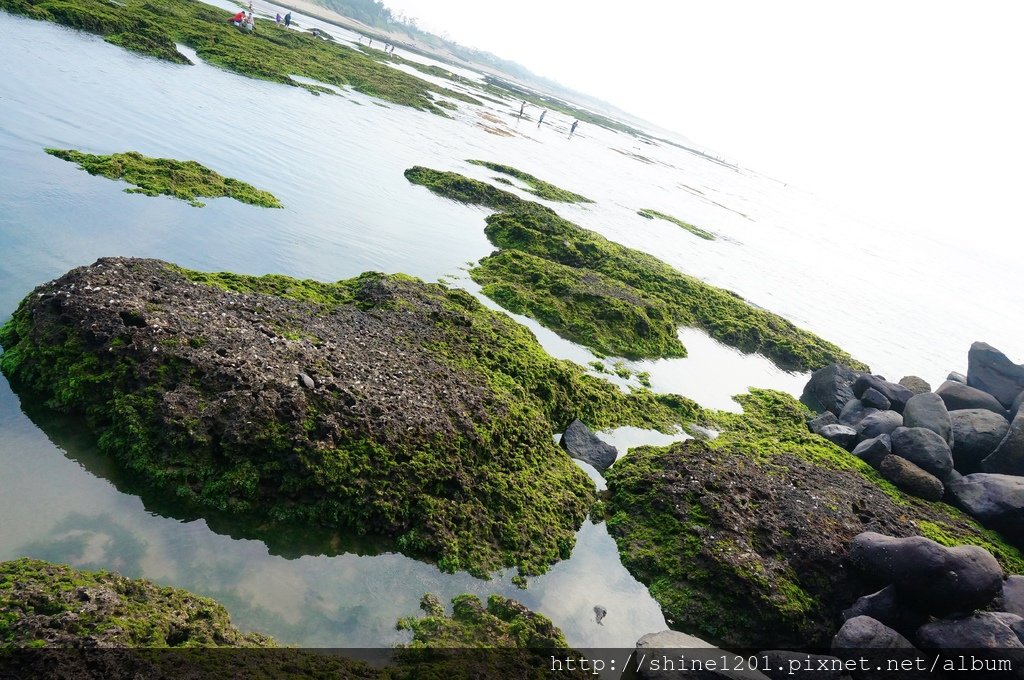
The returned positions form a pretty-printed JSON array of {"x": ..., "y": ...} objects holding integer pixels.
[
  {"x": 187, "y": 180},
  {"x": 538, "y": 187},
  {"x": 742, "y": 538},
  {"x": 696, "y": 231},
  {"x": 483, "y": 488},
  {"x": 41, "y": 602},
  {"x": 583, "y": 306},
  {"x": 272, "y": 52},
  {"x": 534, "y": 229}
]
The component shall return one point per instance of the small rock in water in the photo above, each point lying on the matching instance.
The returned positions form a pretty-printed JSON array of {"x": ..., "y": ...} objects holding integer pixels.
[
  {"x": 599, "y": 613},
  {"x": 306, "y": 381}
]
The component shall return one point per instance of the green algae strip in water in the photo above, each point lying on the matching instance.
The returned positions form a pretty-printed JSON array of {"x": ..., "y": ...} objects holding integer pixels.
[
  {"x": 537, "y": 186},
  {"x": 696, "y": 231},
  {"x": 186, "y": 180}
]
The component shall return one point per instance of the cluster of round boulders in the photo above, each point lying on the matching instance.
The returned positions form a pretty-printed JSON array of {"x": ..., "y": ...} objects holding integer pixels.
[
  {"x": 963, "y": 442},
  {"x": 937, "y": 598}
]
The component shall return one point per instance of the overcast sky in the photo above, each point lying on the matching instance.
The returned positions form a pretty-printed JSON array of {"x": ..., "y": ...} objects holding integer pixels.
[{"x": 910, "y": 108}]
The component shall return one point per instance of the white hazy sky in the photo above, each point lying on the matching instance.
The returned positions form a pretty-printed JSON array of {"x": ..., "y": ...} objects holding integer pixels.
[{"x": 910, "y": 109}]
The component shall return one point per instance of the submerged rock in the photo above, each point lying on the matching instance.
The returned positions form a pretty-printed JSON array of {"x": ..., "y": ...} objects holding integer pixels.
[
  {"x": 991, "y": 371},
  {"x": 428, "y": 423}
]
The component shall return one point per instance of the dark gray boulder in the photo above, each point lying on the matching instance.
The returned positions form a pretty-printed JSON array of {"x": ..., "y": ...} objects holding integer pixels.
[
  {"x": 895, "y": 393},
  {"x": 783, "y": 665},
  {"x": 915, "y": 384},
  {"x": 1015, "y": 406},
  {"x": 875, "y": 399},
  {"x": 873, "y": 450},
  {"x": 929, "y": 411},
  {"x": 924, "y": 448},
  {"x": 584, "y": 445},
  {"x": 854, "y": 411},
  {"x": 821, "y": 420},
  {"x": 977, "y": 432},
  {"x": 840, "y": 435},
  {"x": 886, "y": 607},
  {"x": 959, "y": 396},
  {"x": 1008, "y": 458},
  {"x": 910, "y": 478},
  {"x": 935, "y": 579},
  {"x": 991, "y": 371},
  {"x": 879, "y": 423},
  {"x": 997, "y": 501},
  {"x": 980, "y": 630},
  {"x": 957, "y": 377},
  {"x": 864, "y": 632},
  {"x": 1012, "y": 598},
  {"x": 830, "y": 388},
  {"x": 870, "y": 644}
]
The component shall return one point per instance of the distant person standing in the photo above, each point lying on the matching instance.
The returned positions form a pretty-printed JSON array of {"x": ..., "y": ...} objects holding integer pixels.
[
  {"x": 542, "y": 114},
  {"x": 288, "y": 19},
  {"x": 572, "y": 130},
  {"x": 521, "y": 108},
  {"x": 278, "y": 18}
]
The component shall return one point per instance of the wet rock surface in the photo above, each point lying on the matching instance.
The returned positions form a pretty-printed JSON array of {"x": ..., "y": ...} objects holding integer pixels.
[
  {"x": 57, "y": 606},
  {"x": 582, "y": 444},
  {"x": 366, "y": 404}
]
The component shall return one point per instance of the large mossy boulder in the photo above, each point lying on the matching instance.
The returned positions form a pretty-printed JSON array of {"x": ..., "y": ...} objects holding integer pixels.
[
  {"x": 378, "y": 405},
  {"x": 743, "y": 539},
  {"x": 53, "y": 605}
]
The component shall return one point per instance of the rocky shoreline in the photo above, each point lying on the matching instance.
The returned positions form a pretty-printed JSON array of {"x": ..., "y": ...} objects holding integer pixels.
[
  {"x": 379, "y": 405},
  {"x": 963, "y": 443}
]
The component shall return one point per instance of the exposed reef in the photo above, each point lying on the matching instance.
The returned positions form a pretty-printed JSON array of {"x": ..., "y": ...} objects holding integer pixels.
[
  {"x": 653, "y": 289},
  {"x": 272, "y": 52},
  {"x": 538, "y": 187},
  {"x": 43, "y": 604},
  {"x": 187, "y": 180},
  {"x": 380, "y": 405},
  {"x": 743, "y": 538},
  {"x": 696, "y": 231}
]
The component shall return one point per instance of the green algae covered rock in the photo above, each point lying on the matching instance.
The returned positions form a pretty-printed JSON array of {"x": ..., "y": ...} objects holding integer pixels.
[
  {"x": 696, "y": 231},
  {"x": 186, "y": 180},
  {"x": 538, "y": 187},
  {"x": 55, "y": 605},
  {"x": 272, "y": 52},
  {"x": 380, "y": 405},
  {"x": 502, "y": 639},
  {"x": 743, "y": 538},
  {"x": 650, "y": 286}
]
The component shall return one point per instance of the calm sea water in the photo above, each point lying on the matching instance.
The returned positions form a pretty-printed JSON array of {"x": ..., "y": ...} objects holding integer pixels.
[{"x": 904, "y": 305}]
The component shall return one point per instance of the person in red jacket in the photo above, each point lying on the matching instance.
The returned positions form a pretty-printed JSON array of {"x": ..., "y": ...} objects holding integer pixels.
[{"x": 238, "y": 18}]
